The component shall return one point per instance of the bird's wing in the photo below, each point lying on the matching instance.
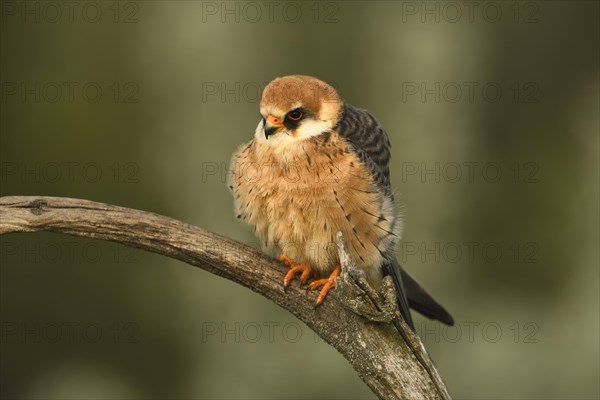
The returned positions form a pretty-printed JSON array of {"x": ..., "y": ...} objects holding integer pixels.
[
  {"x": 372, "y": 145},
  {"x": 370, "y": 142}
]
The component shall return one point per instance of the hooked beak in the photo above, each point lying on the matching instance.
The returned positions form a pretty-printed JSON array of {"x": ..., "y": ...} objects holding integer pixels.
[{"x": 272, "y": 125}]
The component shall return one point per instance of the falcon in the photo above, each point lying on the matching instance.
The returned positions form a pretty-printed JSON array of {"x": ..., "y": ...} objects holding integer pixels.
[{"x": 316, "y": 166}]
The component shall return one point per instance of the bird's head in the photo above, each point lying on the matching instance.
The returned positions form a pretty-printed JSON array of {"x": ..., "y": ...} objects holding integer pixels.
[{"x": 297, "y": 107}]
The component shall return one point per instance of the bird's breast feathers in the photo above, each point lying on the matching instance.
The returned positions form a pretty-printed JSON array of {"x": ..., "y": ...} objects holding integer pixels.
[{"x": 298, "y": 199}]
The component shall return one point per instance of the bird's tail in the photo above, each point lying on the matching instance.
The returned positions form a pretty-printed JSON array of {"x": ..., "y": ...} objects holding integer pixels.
[
  {"x": 394, "y": 270},
  {"x": 410, "y": 293},
  {"x": 422, "y": 302}
]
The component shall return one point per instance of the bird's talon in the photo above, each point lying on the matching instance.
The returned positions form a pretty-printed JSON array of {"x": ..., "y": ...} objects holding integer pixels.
[
  {"x": 283, "y": 258},
  {"x": 307, "y": 273},
  {"x": 327, "y": 283},
  {"x": 304, "y": 270}
]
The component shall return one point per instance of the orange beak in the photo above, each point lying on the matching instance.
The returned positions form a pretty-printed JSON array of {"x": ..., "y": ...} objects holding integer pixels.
[{"x": 272, "y": 125}]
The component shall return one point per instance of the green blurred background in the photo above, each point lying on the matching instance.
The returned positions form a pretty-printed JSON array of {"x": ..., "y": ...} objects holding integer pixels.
[{"x": 492, "y": 110}]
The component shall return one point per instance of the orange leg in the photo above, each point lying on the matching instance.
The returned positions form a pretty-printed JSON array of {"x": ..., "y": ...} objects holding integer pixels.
[
  {"x": 304, "y": 270},
  {"x": 327, "y": 284}
]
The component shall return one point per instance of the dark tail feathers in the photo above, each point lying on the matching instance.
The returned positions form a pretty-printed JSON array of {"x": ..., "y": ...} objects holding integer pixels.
[{"x": 410, "y": 293}]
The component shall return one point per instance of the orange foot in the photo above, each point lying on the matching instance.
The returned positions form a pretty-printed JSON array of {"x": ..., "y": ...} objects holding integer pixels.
[
  {"x": 327, "y": 284},
  {"x": 305, "y": 271}
]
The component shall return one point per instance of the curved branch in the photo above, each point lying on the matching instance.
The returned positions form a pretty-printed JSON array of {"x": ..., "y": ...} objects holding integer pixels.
[{"x": 393, "y": 365}]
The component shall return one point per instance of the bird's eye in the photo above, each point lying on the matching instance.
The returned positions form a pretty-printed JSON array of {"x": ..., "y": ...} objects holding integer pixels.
[{"x": 295, "y": 115}]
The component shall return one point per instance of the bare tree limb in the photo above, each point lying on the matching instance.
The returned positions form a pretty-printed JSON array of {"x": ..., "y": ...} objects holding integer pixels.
[{"x": 354, "y": 319}]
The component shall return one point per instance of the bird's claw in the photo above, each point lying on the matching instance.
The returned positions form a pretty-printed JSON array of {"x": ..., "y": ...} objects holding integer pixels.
[
  {"x": 327, "y": 283},
  {"x": 304, "y": 270}
]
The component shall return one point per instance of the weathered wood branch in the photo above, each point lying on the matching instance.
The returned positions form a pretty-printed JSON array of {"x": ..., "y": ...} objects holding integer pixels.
[{"x": 357, "y": 321}]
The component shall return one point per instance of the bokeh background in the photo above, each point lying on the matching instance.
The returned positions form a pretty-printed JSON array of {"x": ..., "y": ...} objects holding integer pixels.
[{"x": 492, "y": 110}]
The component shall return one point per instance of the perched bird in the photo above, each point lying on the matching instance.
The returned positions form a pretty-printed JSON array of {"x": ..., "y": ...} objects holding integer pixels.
[{"x": 317, "y": 165}]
